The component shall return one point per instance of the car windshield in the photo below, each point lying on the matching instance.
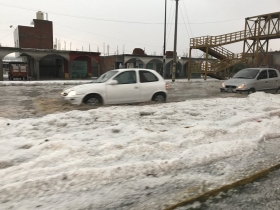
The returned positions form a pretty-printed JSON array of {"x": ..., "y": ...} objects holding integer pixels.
[
  {"x": 247, "y": 74},
  {"x": 105, "y": 77}
]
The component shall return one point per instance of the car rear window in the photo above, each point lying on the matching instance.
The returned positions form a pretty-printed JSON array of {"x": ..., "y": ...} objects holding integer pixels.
[
  {"x": 272, "y": 73},
  {"x": 127, "y": 77},
  {"x": 146, "y": 76},
  {"x": 263, "y": 75}
]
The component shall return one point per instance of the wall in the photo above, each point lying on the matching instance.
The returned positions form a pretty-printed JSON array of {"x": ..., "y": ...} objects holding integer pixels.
[
  {"x": 40, "y": 36},
  {"x": 276, "y": 58},
  {"x": 16, "y": 38},
  {"x": 94, "y": 68},
  {"x": 107, "y": 64}
]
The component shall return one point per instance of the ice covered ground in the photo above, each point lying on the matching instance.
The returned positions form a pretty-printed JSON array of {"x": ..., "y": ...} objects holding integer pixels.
[{"x": 132, "y": 157}]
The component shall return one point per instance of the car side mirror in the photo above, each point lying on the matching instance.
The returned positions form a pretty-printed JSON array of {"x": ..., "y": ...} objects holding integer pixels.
[{"x": 113, "y": 82}]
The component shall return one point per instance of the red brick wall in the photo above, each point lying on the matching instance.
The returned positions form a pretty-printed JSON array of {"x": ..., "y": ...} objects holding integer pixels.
[
  {"x": 40, "y": 36},
  {"x": 106, "y": 64}
]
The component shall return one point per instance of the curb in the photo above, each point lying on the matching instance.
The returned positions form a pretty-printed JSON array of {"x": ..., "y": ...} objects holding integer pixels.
[{"x": 204, "y": 196}]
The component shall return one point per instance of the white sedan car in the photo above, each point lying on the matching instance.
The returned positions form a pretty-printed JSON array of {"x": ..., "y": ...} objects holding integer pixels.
[{"x": 119, "y": 86}]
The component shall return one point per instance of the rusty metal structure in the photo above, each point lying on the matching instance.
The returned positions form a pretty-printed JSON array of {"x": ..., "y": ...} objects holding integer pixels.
[{"x": 256, "y": 35}]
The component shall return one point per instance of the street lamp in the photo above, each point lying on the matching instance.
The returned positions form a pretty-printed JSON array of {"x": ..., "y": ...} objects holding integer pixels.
[{"x": 11, "y": 26}]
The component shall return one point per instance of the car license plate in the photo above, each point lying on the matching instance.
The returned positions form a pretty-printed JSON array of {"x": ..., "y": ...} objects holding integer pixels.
[{"x": 230, "y": 90}]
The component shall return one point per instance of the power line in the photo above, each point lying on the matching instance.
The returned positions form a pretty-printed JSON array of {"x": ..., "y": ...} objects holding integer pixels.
[
  {"x": 14, "y": 21},
  {"x": 171, "y": 20},
  {"x": 116, "y": 21},
  {"x": 184, "y": 22},
  {"x": 109, "y": 36},
  {"x": 83, "y": 17},
  {"x": 189, "y": 25},
  {"x": 188, "y": 18},
  {"x": 6, "y": 36}
]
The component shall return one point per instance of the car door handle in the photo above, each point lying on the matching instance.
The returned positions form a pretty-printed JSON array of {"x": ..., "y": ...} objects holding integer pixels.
[
  {"x": 266, "y": 82},
  {"x": 135, "y": 87}
]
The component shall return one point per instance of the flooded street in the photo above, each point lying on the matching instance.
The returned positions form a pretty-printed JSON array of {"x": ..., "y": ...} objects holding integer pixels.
[{"x": 25, "y": 101}]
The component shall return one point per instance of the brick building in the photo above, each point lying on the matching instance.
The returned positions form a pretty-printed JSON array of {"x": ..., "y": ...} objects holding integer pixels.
[{"x": 39, "y": 36}]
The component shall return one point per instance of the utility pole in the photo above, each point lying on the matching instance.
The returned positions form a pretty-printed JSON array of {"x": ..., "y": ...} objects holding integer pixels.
[
  {"x": 175, "y": 44},
  {"x": 164, "y": 43}
]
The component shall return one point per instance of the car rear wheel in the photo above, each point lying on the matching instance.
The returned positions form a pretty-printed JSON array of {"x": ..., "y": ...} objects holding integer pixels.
[
  {"x": 159, "y": 97},
  {"x": 93, "y": 100}
]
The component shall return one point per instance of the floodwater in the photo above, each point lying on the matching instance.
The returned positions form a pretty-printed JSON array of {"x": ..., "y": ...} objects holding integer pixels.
[{"x": 18, "y": 102}]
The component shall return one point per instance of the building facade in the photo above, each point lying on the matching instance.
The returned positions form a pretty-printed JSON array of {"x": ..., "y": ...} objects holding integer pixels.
[{"x": 38, "y": 37}]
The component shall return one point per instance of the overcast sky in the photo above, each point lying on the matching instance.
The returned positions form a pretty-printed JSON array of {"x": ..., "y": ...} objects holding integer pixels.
[{"x": 129, "y": 24}]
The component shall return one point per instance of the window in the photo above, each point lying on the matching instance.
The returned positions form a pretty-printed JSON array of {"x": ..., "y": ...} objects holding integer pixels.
[
  {"x": 263, "y": 75},
  {"x": 146, "y": 76},
  {"x": 150, "y": 66},
  {"x": 272, "y": 73},
  {"x": 128, "y": 77},
  {"x": 247, "y": 74},
  {"x": 106, "y": 76}
]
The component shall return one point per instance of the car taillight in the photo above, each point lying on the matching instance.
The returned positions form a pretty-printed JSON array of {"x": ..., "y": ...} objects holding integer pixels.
[{"x": 166, "y": 86}]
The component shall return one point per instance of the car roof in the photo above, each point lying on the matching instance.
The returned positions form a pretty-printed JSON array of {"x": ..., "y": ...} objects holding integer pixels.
[
  {"x": 260, "y": 68},
  {"x": 136, "y": 69}
]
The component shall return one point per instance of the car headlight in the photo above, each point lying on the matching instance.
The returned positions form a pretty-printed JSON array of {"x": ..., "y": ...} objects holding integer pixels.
[
  {"x": 72, "y": 93},
  {"x": 223, "y": 84},
  {"x": 241, "y": 86}
]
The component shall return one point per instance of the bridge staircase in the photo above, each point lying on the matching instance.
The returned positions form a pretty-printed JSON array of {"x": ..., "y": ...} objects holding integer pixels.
[{"x": 258, "y": 31}]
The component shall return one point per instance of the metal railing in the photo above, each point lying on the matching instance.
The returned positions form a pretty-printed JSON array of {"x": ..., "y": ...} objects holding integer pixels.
[
  {"x": 223, "y": 51},
  {"x": 222, "y": 39},
  {"x": 220, "y": 65},
  {"x": 228, "y": 38}
]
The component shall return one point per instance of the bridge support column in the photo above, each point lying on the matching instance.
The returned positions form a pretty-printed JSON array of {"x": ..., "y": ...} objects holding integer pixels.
[
  {"x": 70, "y": 69},
  {"x": 206, "y": 65},
  {"x": 1, "y": 70},
  {"x": 37, "y": 69},
  {"x": 189, "y": 64}
]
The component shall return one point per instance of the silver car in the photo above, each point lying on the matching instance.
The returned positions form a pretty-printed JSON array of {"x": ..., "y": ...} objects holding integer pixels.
[{"x": 250, "y": 80}]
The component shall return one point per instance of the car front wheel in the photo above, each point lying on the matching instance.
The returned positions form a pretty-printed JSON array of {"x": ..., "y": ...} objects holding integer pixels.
[
  {"x": 252, "y": 90},
  {"x": 93, "y": 100}
]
